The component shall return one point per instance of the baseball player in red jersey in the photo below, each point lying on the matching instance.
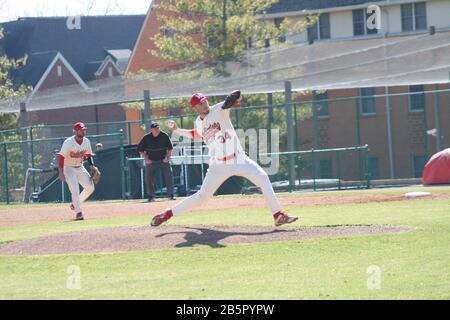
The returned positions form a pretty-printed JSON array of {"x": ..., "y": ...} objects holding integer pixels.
[
  {"x": 71, "y": 156},
  {"x": 227, "y": 158}
]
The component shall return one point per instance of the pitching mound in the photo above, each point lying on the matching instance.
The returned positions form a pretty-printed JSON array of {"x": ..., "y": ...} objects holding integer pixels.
[{"x": 171, "y": 236}]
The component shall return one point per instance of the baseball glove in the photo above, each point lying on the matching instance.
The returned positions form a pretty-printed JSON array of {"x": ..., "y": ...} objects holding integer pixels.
[
  {"x": 95, "y": 174},
  {"x": 231, "y": 99}
]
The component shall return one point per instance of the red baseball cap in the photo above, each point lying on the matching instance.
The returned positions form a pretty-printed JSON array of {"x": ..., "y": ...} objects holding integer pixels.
[
  {"x": 79, "y": 126},
  {"x": 197, "y": 98}
]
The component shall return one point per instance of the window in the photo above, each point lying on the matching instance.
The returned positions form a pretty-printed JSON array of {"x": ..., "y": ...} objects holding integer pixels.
[
  {"x": 324, "y": 26},
  {"x": 359, "y": 22},
  {"x": 326, "y": 169},
  {"x": 367, "y": 101},
  {"x": 360, "y": 17},
  {"x": 169, "y": 33},
  {"x": 110, "y": 72},
  {"x": 420, "y": 13},
  {"x": 321, "y": 29},
  {"x": 278, "y": 22},
  {"x": 59, "y": 71},
  {"x": 414, "y": 16},
  {"x": 407, "y": 17},
  {"x": 321, "y": 106},
  {"x": 416, "y": 98},
  {"x": 374, "y": 168},
  {"x": 419, "y": 162}
]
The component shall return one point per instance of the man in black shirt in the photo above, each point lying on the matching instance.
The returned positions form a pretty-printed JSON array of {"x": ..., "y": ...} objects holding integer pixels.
[{"x": 156, "y": 149}]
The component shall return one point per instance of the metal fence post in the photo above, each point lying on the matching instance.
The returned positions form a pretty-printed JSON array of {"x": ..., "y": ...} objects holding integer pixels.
[
  {"x": 425, "y": 127},
  {"x": 5, "y": 172},
  {"x": 358, "y": 130},
  {"x": 338, "y": 155},
  {"x": 389, "y": 135},
  {"x": 270, "y": 118},
  {"x": 122, "y": 166},
  {"x": 32, "y": 157},
  {"x": 129, "y": 131},
  {"x": 297, "y": 134},
  {"x": 313, "y": 159},
  {"x": 128, "y": 177},
  {"x": 290, "y": 140},
  {"x": 147, "y": 113},
  {"x": 437, "y": 118},
  {"x": 23, "y": 127},
  {"x": 297, "y": 142},
  {"x": 368, "y": 175}
]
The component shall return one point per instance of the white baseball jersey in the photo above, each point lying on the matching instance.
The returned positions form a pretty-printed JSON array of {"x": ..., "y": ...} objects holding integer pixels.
[
  {"x": 218, "y": 133},
  {"x": 223, "y": 144},
  {"x": 74, "y": 153}
]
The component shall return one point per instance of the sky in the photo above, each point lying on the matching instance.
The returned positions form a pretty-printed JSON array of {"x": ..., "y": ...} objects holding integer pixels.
[{"x": 12, "y": 9}]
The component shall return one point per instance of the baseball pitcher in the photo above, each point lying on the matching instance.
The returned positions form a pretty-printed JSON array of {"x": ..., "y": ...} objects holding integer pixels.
[
  {"x": 71, "y": 156},
  {"x": 227, "y": 158}
]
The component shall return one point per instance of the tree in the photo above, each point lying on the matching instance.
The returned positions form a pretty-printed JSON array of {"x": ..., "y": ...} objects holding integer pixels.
[
  {"x": 9, "y": 94},
  {"x": 7, "y": 90},
  {"x": 217, "y": 30}
]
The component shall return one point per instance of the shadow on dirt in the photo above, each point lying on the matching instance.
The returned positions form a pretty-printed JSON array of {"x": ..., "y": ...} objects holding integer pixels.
[{"x": 211, "y": 238}]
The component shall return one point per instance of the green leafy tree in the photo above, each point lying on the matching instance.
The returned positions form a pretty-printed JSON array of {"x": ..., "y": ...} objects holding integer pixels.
[
  {"x": 216, "y": 31},
  {"x": 8, "y": 121},
  {"x": 7, "y": 90}
]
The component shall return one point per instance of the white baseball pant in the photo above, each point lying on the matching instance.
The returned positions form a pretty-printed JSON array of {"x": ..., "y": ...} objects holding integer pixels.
[
  {"x": 219, "y": 172},
  {"x": 74, "y": 177}
]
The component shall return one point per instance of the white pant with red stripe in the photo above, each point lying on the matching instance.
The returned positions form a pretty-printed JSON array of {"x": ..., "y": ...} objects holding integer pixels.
[
  {"x": 219, "y": 171},
  {"x": 74, "y": 177}
]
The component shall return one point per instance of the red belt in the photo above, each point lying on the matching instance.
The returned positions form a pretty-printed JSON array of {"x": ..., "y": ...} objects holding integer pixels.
[{"x": 227, "y": 157}]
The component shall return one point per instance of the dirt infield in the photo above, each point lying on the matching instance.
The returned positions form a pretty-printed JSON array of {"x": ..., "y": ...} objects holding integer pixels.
[
  {"x": 123, "y": 239},
  {"x": 45, "y": 214}
]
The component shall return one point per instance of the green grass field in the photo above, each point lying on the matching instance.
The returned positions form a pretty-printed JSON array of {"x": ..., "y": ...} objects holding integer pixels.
[{"x": 412, "y": 265}]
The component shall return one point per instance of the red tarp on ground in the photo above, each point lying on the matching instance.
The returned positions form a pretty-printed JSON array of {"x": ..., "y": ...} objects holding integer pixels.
[{"x": 437, "y": 170}]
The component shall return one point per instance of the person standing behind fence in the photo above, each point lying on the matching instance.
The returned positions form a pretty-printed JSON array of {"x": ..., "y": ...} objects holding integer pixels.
[{"x": 156, "y": 149}]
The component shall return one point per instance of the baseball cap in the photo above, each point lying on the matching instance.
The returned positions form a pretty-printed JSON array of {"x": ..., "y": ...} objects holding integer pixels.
[
  {"x": 154, "y": 125},
  {"x": 79, "y": 126},
  {"x": 197, "y": 98}
]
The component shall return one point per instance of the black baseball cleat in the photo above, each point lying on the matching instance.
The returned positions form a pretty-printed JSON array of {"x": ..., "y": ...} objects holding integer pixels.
[
  {"x": 79, "y": 217},
  {"x": 171, "y": 197},
  {"x": 151, "y": 200}
]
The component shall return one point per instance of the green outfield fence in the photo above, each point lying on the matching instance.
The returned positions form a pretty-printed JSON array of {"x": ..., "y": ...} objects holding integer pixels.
[
  {"x": 404, "y": 127},
  {"x": 190, "y": 170}
]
